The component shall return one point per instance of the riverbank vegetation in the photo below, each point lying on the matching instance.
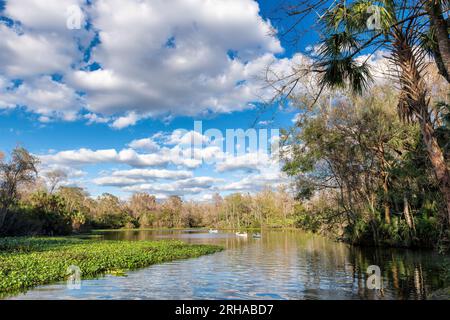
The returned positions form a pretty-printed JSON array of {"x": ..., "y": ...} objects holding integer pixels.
[
  {"x": 362, "y": 174},
  {"x": 29, "y": 262},
  {"x": 370, "y": 149}
]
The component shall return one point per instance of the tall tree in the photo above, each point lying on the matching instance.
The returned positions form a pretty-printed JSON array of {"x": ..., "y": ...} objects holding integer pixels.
[
  {"x": 350, "y": 152},
  {"x": 19, "y": 170},
  {"x": 54, "y": 178}
]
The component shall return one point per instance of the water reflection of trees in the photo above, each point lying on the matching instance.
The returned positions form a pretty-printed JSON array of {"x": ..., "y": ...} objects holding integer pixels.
[
  {"x": 311, "y": 266},
  {"x": 342, "y": 269},
  {"x": 406, "y": 274}
]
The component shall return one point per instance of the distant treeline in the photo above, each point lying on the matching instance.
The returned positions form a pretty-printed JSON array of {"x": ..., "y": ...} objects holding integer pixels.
[{"x": 30, "y": 207}]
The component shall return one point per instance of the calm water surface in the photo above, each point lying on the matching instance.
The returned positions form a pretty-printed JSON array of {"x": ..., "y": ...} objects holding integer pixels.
[{"x": 280, "y": 265}]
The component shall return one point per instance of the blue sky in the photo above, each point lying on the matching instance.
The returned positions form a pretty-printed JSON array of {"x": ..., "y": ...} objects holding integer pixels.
[{"x": 140, "y": 70}]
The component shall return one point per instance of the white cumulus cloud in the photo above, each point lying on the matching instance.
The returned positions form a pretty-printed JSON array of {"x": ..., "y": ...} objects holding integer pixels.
[{"x": 156, "y": 58}]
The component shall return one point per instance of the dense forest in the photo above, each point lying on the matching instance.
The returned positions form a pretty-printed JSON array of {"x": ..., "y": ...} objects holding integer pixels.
[
  {"x": 370, "y": 151},
  {"x": 363, "y": 175}
]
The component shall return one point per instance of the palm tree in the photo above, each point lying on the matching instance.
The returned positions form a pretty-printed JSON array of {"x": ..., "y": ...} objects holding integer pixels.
[
  {"x": 402, "y": 28},
  {"x": 439, "y": 34},
  {"x": 410, "y": 31}
]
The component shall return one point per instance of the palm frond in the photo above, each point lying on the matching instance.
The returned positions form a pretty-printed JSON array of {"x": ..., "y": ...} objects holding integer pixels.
[{"x": 346, "y": 73}]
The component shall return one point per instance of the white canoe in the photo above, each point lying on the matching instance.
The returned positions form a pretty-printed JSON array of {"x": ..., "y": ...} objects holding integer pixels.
[{"x": 242, "y": 234}]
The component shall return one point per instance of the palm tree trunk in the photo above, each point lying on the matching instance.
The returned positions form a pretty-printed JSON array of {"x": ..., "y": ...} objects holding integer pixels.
[
  {"x": 440, "y": 26},
  {"x": 437, "y": 159},
  {"x": 414, "y": 103}
]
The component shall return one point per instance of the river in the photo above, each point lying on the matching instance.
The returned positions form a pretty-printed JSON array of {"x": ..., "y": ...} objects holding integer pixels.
[{"x": 279, "y": 265}]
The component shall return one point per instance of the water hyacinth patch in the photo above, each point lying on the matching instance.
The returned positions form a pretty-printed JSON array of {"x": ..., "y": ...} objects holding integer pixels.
[{"x": 29, "y": 262}]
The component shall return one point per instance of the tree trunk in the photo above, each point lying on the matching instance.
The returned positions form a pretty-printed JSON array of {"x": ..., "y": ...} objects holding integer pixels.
[
  {"x": 3, "y": 213},
  {"x": 443, "y": 42},
  {"x": 371, "y": 222},
  {"x": 436, "y": 157},
  {"x": 408, "y": 217},
  {"x": 385, "y": 177},
  {"x": 387, "y": 209}
]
